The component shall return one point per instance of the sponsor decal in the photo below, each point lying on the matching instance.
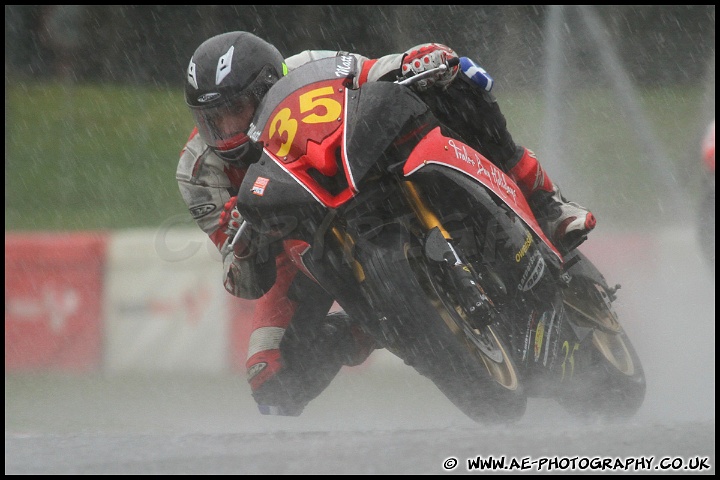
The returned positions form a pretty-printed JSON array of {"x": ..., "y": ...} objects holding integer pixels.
[
  {"x": 208, "y": 97},
  {"x": 260, "y": 185},
  {"x": 253, "y": 132},
  {"x": 567, "y": 367},
  {"x": 494, "y": 174},
  {"x": 500, "y": 180},
  {"x": 547, "y": 341},
  {"x": 533, "y": 272},
  {"x": 343, "y": 66},
  {"x": 539, "y": 334},
  {"x": 461, "y": 153},
  {"x": 528, "y": 334},
  {"x": 255, "y": 369},
  {"x": 200, "y": 211},
  {"x": 523, "y": 250}
]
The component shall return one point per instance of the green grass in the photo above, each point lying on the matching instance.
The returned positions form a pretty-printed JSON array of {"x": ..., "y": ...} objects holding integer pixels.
[
  {"x": 632, "y": 164},
  {"x": 104, "y": 157},
  {"x": 92, "y": 157}
]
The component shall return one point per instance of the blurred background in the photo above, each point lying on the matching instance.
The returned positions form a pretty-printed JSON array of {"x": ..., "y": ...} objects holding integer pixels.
[
  {"x": 106, "y": 274},
  {"x": 613, "y": 99}
]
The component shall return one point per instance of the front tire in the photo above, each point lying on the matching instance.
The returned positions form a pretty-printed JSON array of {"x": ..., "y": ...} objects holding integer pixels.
[{"x": 419, "y": 326}]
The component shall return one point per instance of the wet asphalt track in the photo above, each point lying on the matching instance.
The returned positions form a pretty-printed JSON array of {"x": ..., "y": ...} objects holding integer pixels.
[{"x": 381, "y": 418}]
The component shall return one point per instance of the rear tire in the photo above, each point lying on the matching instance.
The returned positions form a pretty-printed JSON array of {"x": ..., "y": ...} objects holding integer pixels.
[{"x": 611, "y": 384}]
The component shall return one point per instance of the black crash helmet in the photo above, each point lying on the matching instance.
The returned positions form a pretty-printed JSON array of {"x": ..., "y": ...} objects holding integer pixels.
[{"x": 227, "y": 77}]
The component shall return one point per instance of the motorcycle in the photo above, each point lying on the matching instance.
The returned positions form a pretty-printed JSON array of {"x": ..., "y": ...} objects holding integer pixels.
[{"x": 433, "y": 249}]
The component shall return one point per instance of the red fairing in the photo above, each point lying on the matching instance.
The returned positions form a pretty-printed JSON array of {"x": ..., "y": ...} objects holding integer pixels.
[
  {"x": 305, "y": 132},
  {"x": 440, "y": 150},
  {"x": 295, "y": 249}
]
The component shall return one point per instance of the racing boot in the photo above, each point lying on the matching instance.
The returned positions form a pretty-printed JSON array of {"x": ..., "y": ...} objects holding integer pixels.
[
  {"x": 310, "y": 356},
  {"x": 353, "y": 345},
  {"x": 566, "y": 224}
]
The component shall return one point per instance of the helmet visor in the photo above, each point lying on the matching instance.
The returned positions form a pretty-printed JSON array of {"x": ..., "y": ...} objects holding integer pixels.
[{"x": 224, "y": 126}]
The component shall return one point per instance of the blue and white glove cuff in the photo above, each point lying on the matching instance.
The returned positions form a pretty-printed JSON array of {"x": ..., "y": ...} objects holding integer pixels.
[{"x": 476, "y": 73}]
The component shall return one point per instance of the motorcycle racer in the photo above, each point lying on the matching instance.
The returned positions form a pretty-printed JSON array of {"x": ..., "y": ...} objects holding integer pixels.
[{"x": 295, "y": 349}]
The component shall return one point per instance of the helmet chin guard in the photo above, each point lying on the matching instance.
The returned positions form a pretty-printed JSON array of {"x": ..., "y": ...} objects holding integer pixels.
[
  {"x": 243, "y": 155},
  {"x": 233, "y": 155}
]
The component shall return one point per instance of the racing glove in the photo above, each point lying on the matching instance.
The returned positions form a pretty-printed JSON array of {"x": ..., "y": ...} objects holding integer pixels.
[
  {"x": 230, "y": 220},
  {"x": 250, "y": 267},
  {"x": 425, "y": 57}
]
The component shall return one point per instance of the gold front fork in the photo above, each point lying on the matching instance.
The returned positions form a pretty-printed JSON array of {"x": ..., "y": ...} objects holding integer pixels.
[
  {"x": 427, "y": 217},
  {"x": 348, "y": 245}
]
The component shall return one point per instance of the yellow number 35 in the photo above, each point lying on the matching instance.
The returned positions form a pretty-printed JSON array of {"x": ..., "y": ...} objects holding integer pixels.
[{"x": 318, "y": 105}]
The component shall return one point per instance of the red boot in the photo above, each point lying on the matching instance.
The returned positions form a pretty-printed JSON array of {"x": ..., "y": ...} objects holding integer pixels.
[{"x": 566, "y": 224}]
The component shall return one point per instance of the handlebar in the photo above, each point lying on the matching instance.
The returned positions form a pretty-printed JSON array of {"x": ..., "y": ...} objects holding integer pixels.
[
  {"x": 239, "y": 233},
  {"x": 429, "y": 73}
]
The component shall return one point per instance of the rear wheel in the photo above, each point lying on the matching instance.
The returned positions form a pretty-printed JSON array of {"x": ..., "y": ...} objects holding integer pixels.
[
  {"x": 425, "y": 327},
  {"x": 611, "y": 383}
]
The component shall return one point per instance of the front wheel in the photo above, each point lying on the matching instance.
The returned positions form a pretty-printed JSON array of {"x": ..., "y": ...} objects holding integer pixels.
[{"x": 472, "y": 367}]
